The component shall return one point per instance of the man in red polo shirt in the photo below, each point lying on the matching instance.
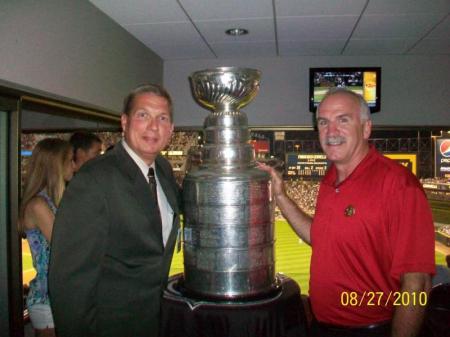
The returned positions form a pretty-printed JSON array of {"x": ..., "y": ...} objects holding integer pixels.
[{"x": 372, "y": 235}]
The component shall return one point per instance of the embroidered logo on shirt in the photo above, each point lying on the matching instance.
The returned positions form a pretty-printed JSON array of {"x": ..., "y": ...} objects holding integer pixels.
[{"x": 349, "y": 211}]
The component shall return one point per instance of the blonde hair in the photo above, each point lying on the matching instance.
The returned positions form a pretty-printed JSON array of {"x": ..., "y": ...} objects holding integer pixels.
[{"x": 45, "y": 170}]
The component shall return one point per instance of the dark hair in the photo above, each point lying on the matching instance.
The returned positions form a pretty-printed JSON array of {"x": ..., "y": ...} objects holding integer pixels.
[
  {"x": 156, "y": 89},
  {"x": 83, "y": 140}
]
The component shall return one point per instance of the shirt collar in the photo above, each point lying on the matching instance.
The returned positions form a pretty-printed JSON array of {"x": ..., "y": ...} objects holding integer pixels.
[
  {"x": 138, "y": 160},
  {"x": 331, "y": 175}
]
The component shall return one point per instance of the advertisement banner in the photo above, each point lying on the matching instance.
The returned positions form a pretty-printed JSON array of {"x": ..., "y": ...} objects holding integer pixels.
[
  {"x": 260, "y": 146},
  {"x": 408, "y": 160},
  {"x": 442, "y": 158}
]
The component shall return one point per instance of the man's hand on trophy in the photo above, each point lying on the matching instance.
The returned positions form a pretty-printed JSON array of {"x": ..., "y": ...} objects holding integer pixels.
[{"x": 277, "y": 184}]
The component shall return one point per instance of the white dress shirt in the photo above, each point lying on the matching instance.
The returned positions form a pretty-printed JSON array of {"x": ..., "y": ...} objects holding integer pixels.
[{"x": 164, "y": 206}]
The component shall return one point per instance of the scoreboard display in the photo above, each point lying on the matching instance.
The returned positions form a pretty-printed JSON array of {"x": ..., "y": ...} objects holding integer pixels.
[
  {"x": 315, "y": 165},
  {"x": 306, "y": 165}
]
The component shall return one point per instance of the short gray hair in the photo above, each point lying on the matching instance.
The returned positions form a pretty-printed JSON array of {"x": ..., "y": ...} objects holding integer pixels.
[{"x": 364, "y": 109}]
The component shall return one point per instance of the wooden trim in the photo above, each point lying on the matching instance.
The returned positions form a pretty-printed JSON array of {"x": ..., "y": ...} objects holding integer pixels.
[{"x": 72, "y": 108}]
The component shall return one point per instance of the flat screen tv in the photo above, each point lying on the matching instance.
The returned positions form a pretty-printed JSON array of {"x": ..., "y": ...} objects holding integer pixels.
[{"x": 366, "y": 81}]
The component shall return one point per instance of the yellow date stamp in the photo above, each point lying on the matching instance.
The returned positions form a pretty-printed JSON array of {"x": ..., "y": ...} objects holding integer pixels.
[{"x": 380, "y": 298}]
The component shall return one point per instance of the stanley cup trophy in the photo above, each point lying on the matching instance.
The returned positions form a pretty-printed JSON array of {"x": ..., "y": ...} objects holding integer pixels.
[{"x": 228, "y": 218}]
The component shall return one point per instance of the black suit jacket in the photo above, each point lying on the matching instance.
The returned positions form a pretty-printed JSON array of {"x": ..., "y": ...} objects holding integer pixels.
[{"x": 108, "y": 265}]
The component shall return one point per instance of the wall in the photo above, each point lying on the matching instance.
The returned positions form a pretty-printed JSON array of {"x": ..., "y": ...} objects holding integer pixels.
[
  {"x": 71, "y": 49},
  {"x": 415, "y": 89}
]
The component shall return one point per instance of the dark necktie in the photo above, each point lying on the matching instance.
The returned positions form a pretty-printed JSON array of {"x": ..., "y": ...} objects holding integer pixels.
[{"x": 152, "y": 184}]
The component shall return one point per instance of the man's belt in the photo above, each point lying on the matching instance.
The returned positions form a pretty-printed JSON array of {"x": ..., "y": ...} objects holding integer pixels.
[{"x": 381, "y": 326}]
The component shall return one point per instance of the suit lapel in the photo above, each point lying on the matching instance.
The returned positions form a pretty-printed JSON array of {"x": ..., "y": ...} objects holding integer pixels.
[
  {"x": 172, "y": 194},
  {"x": 139, "y": 186},
  {"x": 170, "y": 190}
]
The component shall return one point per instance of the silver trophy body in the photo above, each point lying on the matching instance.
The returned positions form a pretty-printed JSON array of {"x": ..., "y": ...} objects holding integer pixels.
[{"x": 228, "y": 219}]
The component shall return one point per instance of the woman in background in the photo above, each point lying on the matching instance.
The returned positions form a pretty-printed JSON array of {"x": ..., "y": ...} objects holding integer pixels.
[{"x": 49, "y": 169}]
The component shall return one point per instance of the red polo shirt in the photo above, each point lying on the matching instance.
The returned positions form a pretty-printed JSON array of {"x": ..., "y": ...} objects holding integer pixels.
[{"x": 367, "y": 231}]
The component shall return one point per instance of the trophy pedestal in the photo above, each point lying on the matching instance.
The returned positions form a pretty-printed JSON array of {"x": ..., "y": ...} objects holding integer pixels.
[{"x": 279, "y": 314}]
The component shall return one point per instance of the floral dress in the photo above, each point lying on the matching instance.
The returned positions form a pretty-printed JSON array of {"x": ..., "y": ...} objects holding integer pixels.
[{"x": 40, "y": 252}]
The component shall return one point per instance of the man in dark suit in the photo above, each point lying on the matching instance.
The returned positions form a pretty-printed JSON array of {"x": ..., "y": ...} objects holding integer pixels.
[{"x": 113, "y": 238}]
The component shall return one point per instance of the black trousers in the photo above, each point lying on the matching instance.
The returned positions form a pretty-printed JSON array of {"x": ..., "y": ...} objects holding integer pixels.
[{"x": 325, "y": 330}]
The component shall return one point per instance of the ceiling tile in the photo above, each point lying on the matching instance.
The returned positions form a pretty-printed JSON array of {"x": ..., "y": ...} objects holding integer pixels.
[
  {"x": 141, "y": 11},
  {"x": 378, "y": 46},
  {"x": 315, "y": 47},
  {"x": 182, "y": 51},
  {"x": 304, "y": 27},
  {"x": 228, "y": 9},
  {"x": 259, "y": 30},
  {"x": 318, "y": 7},
  {"x": 432, "y": 47},
  {"x": 165, "y": 33},
  {"x": 315, "y": 27},
  {"x": 395, "y": 26},
  {"x": 442, "y": 30},
  {"x": 245, "y": 49},
  {"x": 408, "y": 7}
]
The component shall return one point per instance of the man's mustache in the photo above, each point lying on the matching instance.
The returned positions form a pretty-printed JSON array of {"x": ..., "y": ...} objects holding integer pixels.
[{"x": 336, "y": 140}]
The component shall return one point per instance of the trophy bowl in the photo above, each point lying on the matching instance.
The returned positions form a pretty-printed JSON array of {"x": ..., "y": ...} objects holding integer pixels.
[{"x": 225, "y": 88}]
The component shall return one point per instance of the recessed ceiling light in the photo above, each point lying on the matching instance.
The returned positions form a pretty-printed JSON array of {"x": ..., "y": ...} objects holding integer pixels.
[{"x": 236, "y": 31}]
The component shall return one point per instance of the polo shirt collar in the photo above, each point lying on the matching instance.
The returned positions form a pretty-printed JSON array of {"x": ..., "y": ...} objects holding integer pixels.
[{"x": 331, "y": 175}]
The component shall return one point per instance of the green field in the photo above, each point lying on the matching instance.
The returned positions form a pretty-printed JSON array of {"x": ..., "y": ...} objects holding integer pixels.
[
  {"x": 441, "y": 211},
  {"x": 292, "y": 257}
]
